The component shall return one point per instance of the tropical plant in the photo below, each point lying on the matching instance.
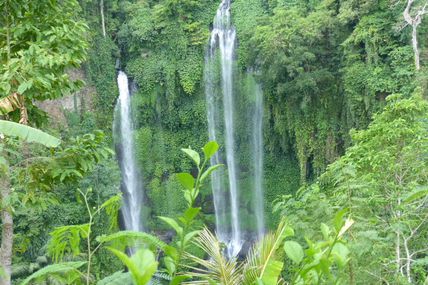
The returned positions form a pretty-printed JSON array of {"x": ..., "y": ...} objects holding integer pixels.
[
  {"x": 265, "y": 261},
  {"x": 32, "y": 135},
  {"x": 142, "y": 264},
  {"x": 32, "y": 68},
  {"x": 66, "y": 239},
  {"x": 63, "y": 273},
  {"x": 382, "y": 180},
  {"x": 183, "y": 225}
]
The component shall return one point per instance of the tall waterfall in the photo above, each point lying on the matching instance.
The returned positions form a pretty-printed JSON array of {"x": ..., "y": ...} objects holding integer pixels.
[
  {"x": 223, "y": 38},
  {"x": 131, "y": 186}
]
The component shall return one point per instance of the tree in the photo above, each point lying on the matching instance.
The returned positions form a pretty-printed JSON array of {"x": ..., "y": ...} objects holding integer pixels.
[
  {"x": 66, "y": 164},
  {"x": 39, "y": 40},
  {"x": 31, "y": 135},
  {"x": 382, "y": 179}
]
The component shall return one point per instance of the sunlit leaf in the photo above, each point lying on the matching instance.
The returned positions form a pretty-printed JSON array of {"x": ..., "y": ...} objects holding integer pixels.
[{"x": 294, "y": 251}]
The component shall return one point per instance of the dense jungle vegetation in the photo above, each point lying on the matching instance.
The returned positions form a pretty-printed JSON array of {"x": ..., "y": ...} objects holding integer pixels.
[{"x": 345, "y": 141}]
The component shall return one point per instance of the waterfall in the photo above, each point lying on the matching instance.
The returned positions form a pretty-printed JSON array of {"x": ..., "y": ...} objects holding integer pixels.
[
  {"x": 258, "y": 161},
  {"x": 131, "y": 186},
  {"x": 223, "y": 38}
]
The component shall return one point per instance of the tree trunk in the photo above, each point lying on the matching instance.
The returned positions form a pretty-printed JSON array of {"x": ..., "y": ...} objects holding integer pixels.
[
  {"x": 7, "y": 232},
  {"x": 415, "y": 46},
  {"x": 408, "y": 261},
  {"x": 103, "y": 26}
]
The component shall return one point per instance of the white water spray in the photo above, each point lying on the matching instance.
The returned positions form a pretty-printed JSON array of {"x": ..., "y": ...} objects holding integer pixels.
[
  {"x": 131, "y": 186},
  {"x": 258, "y": 161},
  {"x": 223, "y": 38}
]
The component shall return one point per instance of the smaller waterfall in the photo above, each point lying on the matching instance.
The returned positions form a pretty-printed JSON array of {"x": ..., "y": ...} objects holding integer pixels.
[
  {"x": 131, "y": 187},
  {"x": 220, "y": 203},
  {"x": 258, "y": 161},
  {"x": 223, "y": 37}
]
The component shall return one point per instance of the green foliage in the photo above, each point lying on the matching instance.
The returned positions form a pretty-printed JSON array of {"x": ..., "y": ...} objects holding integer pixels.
[
  {"x": 67, "y": 239},
  {"x": 326, "y": 67},
  {"x": 66, "y": 273},
  {"x": 264, "y": 263},
  {"x": 101, "y": 71},
  {"x": 168, "y": 44},
  {"x": 382, "y": 170},
  {"x": 123, "y": 239},
  {"x": 185, "y": 223},
  {"x": 118, "y": 278},
  {"x": 69, "y": 163},
  {"x": 141, "y": 264},
  {"x": 28, "y": 134},
  {"x": 34, "y": 67}
]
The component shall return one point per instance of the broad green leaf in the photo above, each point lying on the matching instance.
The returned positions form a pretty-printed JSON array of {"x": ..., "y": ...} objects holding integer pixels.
[
  {"x": 173, "y": 224},
  {"x": 193, "y": 155},
  {"x": 325, "y": 231},
  {"x": 188, "y": 196},
  {"x": 210, "y": 149},
  {"x": 189, "y": 215},
  {"x": 189, "y": 236},
  {"x": 186, "y": 180},
  {"x": 142, "y": 264},
  {"x": 117, "y": 278},
  {"x": 28, "y": 134},
  {"x": 272, "y": 272},
  {"x": 209, "y": 171},
  {"x": 416, "y": 194},
  {"x": 170, "y": 265},
  {"x": 338, "y": 219},
  {"x": 171, "y": 251},
  {"x": 58, "y": 268},
  {"x": 289, "y": 232},
  {"x": 294, "y": 251},
  {"x": 178, "y": 279},
  {"x": 340, "y": 252}
]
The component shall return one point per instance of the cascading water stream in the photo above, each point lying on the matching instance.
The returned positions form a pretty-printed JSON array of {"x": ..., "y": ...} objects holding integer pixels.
[
  {"x": 223, "y": 38},
  {"x": 220, "y": 203},
  {"x": 131, "y": 186},
  {"x": 258, "y": 161}
]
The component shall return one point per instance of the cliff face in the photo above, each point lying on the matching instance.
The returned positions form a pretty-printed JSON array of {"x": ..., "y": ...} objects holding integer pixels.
[{"x": 79, "y": 102}]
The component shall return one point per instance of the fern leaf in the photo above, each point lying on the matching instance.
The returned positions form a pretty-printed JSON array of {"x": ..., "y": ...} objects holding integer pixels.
[
  {"x": 66, "y": 239},
  {"x": 124, "y": 239},
  {"x": 112, "y": 207}
]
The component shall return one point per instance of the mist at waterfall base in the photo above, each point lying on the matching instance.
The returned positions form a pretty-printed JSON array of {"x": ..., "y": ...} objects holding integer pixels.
[
  {"x": 131, "y": 187},
  {"x": 235, "y": 119}
]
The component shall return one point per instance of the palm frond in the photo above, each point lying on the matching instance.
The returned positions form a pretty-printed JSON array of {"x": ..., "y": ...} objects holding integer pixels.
[
  {"x": 264, "y": 260},
  {"x": 216, "y": 269}
]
